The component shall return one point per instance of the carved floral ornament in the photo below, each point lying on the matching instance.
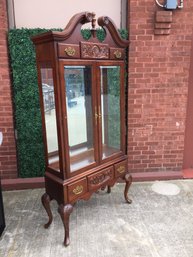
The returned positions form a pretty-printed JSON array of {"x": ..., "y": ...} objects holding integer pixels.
[
  {"x": 98, "y": 179},
  {"x": 90, "y": 50}
]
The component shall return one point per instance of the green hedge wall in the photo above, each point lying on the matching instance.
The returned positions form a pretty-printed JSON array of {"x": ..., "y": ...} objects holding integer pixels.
[{"x": 27, "y": 114}]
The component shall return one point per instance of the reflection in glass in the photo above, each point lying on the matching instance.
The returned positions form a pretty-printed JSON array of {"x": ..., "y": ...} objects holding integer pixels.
[
  {"x": 79, "y": 115},
  {"x": 50, "y": 117},
  {"x": 110, "y": 110}
]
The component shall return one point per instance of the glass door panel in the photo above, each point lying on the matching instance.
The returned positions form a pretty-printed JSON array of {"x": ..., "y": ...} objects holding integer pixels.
[
  {"x": 78, "y": 84},
  {"x": 110, "y": 110},
  {"x": 50, "y": 116}
]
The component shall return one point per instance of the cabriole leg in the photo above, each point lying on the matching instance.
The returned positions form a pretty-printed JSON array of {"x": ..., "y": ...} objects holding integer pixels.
[
  {"x": 128, "y": 180},
  {"x": 65, "y": 211},
  {"x": 46, "y": 203},
  {"x": 108, "y": 189}
]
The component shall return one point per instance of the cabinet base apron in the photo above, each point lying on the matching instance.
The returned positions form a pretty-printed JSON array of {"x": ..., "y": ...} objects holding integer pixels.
[{"x": 65, "y": 207}]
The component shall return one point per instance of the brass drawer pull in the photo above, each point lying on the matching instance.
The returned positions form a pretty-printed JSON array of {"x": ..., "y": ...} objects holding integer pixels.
[
  {"x": 78, "y": 190},
  {"x": 117, "y": 54},
  {"x": 70, "y": 51},
  {"x": 121, "y": 169}
]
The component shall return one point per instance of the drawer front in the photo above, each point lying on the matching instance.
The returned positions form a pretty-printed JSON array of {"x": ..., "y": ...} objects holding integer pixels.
[
  {"x": 117, "y": 53},
  {"x": 100, "y": 178},
  {"x": 68, "y": 51},
  {"x": 77, "y": 189},
  {"x": 120, "y": 168}
]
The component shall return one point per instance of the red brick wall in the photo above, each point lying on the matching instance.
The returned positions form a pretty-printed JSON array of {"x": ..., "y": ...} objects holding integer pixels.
[
  {"x": 8, "y": 165},
  {"x": 157, "y": 93},
  {"x": 158, "y": 87}
]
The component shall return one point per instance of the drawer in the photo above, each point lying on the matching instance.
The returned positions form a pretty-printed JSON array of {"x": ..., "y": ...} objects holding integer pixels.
[
  {"x": 77, "y": 189},
  {"x": 68, "y": 51},
  {"x": 117, "y": 53},
  {"x": 100, "y": 178},
  {"x": 120, "y": 168}
]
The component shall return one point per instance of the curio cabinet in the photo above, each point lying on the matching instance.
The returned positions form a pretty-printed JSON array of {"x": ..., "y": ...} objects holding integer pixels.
[{"x": 82, "y": 97}]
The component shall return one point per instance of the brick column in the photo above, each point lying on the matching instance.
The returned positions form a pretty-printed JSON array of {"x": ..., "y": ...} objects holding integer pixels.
[
  {"x": 8, "y": 163},
  {"x": 158, "y": 85}
]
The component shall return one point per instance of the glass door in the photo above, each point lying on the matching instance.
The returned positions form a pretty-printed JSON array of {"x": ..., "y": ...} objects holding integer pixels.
[
  {"x": 49, "y": 120},
  {"x": 110, "y": 111},
  {"x": 79, "y": 113}
]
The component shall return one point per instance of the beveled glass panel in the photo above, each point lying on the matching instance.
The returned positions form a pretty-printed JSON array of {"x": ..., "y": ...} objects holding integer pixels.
[
  {"x": 79, "y": 116},
  {"x": 110, "y": 110},
  {"x": 50, "y": 116}
]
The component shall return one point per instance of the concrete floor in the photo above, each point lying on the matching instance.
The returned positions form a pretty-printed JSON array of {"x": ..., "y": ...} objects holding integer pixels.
[{"x": 159, "y": 223}]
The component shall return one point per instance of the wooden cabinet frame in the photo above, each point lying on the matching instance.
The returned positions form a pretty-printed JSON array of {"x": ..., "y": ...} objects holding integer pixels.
[{"x": 75, "y": 73}]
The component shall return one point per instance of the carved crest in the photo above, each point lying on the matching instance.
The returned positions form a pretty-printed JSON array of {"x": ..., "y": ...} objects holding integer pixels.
[{"x": 92, "y": 50}]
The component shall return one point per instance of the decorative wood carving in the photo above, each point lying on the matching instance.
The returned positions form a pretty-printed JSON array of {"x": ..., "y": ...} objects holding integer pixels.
[
  {"x": 102, "y": 177},
  {"x": 94, "y": 51}
]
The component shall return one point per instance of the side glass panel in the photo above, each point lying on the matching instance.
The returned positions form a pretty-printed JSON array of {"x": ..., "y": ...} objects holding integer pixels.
[
  {"x": 110, "y": 110},
  {"x": 79, "y": 115},
  {"x": 50, "y": 117}
]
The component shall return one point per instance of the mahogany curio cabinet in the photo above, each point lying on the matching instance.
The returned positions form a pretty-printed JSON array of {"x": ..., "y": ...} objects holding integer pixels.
[{"x": 82, "y": 97}]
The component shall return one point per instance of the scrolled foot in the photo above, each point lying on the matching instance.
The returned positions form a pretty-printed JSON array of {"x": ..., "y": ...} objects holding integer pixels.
[
  {"x": 128, "y": 180},
  {"x": 65, "y": 211},
  {"x": 46, "y": 203}
]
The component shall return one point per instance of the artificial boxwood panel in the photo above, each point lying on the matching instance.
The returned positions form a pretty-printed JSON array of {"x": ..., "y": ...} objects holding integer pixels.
[{"x": 30, "y": 151}]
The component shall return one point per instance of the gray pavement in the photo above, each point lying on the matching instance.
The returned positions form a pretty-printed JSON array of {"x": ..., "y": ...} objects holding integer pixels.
[{"x": 159, "y": 223}]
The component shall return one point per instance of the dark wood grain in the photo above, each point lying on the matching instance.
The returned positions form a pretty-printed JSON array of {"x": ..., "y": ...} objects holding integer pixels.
[
  {"x": 103, "y": 163},
  {"x": 128, "y": 180},
  {"x": 46, "y": 203},
  {"x": 65, "y": 212}
]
